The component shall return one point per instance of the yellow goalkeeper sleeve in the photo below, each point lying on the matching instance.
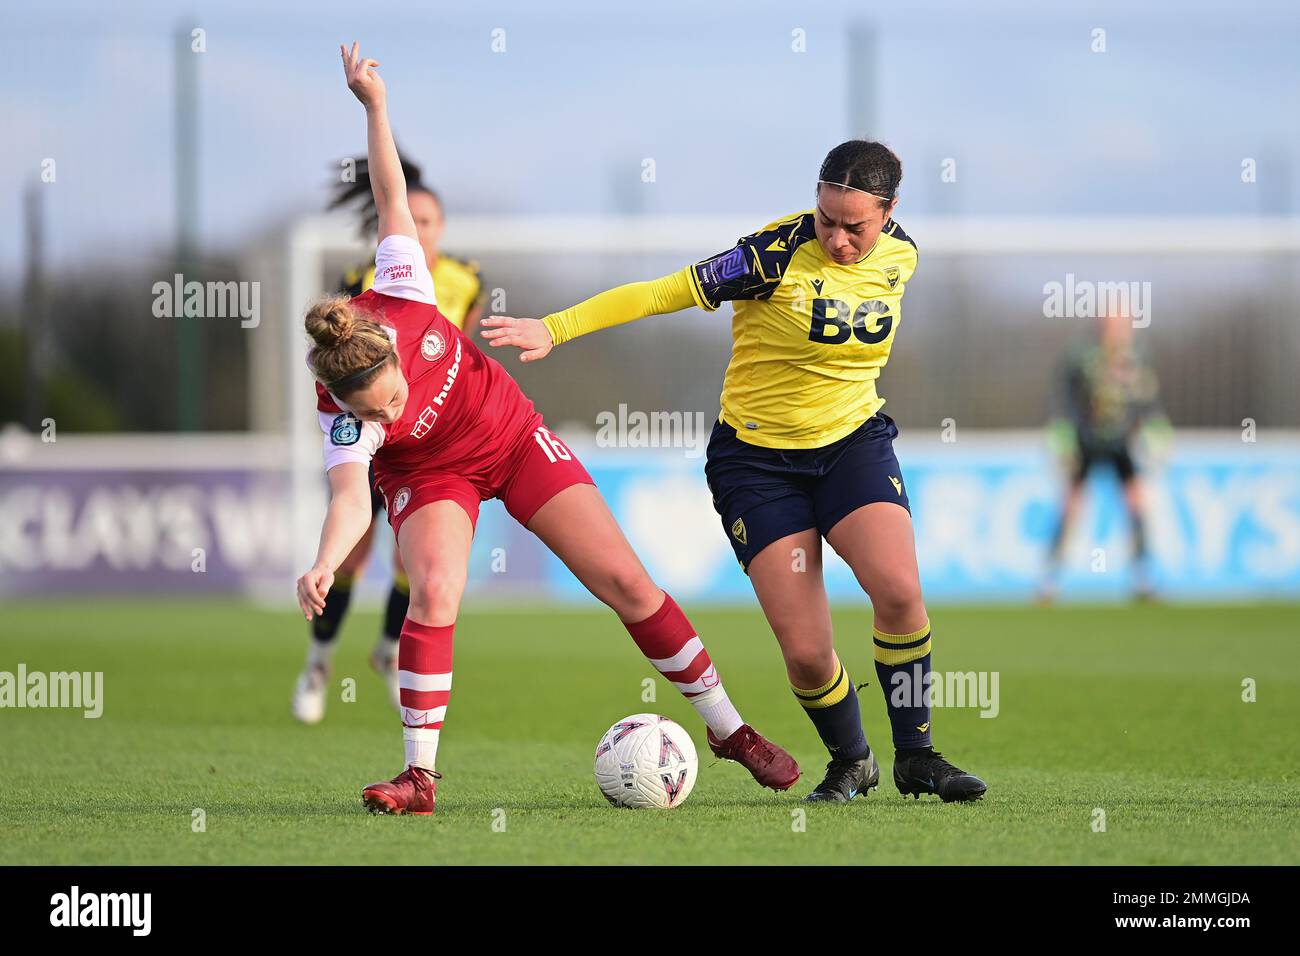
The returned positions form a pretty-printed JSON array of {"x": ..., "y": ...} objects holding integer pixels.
[{"x": 636, "y": 300}]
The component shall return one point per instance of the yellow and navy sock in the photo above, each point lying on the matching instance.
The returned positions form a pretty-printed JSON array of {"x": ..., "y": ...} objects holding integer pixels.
[
  {"x": 833, "y": 709},
  {"x": 399, "y": 602},
  {"x": 903, "y": 668},
  {"x": 325, "y": 626}
]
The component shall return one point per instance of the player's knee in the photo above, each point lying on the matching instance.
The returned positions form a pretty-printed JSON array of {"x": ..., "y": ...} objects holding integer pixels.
[
  {"x": 810, "y": 665},
  {"x": 630, "y": 592},
  {"x": 435, "y": 597},
  {"x": 898, "y": 599}
]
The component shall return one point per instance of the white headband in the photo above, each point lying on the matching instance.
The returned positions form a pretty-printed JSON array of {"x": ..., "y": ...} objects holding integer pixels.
[{"x": 826, "y": 182}]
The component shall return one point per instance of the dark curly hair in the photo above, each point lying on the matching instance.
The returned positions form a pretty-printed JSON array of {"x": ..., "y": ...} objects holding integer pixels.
[
  {"x": 359, "y": 194},
  {"x": 866, "y": 165}
]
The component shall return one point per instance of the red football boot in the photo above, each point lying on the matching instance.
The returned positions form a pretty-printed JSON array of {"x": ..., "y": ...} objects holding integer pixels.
[
  {"x": 770, "y": 765},
  {"x": 411, "y": 791}
]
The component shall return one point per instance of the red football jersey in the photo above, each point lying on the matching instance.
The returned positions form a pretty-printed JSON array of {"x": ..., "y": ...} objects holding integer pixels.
[{"x": 464, "y": 413}]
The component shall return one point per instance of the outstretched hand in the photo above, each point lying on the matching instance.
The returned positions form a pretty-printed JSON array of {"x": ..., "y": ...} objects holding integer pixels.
[
  {"x": 531, "y": 336},
  {"x": 312, "y": 590},
  {"x": 362, "y": 79}
]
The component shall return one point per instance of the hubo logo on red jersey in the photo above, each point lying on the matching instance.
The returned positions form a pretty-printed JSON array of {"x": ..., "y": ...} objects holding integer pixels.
[
  {"x": 430, "y": 414},
  {"x": 833, "y": 321},
  {"x": 452, "y": 372},
  {"x": 433, "y": 347},
  {"x": 424, "y": 422}
]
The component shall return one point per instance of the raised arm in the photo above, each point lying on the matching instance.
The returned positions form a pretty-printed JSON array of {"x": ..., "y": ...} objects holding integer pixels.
[
  {"x": 751, "y": 269},
  {"x": 386, "y": 178}
]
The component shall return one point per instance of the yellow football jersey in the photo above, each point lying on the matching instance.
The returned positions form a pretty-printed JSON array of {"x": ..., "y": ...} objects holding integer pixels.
[
  {"x": 456, "y": 283},
  {"x": 809, "y": 335}
]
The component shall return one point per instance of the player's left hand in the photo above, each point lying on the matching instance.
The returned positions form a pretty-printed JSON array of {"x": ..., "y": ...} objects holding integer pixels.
[
  {"x": 530, "y": 335},
  {"x": 312, "y": 588}
]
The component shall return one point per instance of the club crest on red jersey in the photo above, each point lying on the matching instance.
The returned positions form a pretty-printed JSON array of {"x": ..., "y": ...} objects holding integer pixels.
[
  {"x": 401, "y": 500},
  {"x": 433, "y": 347}
]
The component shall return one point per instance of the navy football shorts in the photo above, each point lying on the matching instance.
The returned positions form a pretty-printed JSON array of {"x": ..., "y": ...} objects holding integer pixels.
[
  {"x": 1091, "y": 456},
  {"x": 763, "y": 494}
]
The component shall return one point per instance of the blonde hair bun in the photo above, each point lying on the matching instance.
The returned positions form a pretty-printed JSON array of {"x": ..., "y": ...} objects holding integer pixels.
[{"x": 348, "y": 344}]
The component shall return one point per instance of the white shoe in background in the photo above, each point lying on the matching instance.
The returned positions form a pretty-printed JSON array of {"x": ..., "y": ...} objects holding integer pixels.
[
  {"x": 309, "y": 695},
  {"x": 384, "y": 660}
]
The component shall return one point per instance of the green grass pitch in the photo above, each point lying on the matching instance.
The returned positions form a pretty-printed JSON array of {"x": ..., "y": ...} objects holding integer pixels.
[{"x": 1136, "y": 711}]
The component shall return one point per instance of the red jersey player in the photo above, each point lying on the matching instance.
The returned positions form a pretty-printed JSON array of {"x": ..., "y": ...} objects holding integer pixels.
[{"x": 447, "y": 428}]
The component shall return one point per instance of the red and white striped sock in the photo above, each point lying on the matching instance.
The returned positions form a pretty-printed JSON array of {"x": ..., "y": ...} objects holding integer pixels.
[
  {"x": 670, "y": 643},
  {"x": 424, "y": 676}
]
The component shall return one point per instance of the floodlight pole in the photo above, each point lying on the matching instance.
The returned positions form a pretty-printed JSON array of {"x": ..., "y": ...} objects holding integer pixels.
[
  {"x": 189, "y": 331},
  {"x": 864, "y": 81},
  {"x": 35, "y": 310}
]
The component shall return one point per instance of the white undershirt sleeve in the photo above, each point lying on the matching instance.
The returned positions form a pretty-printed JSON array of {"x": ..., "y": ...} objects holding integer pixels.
[
  {"x": 400, "y": 270},
  {"x": 349, "y": 439}
]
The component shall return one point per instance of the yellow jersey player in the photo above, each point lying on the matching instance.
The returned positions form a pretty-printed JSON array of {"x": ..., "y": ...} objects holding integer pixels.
[
  {"x": 460, "y": 299},
  {"x": 801, "y": 450}
]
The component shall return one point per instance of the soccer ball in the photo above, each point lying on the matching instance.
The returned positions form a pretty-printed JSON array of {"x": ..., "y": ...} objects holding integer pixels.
[{"x": 646, "y": 761}]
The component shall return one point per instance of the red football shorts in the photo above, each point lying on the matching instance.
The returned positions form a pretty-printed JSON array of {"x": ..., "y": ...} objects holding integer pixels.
[{"x": 536, "y": 470}]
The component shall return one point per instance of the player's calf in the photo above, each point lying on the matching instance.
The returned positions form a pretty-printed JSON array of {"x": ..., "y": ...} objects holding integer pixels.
[
  {"x": 833, "y": 709},
  {"x": 669, "y": 642}
]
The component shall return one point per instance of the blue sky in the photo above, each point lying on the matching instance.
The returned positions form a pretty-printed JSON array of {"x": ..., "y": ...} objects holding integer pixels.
[{"x": 735, "y": 121}]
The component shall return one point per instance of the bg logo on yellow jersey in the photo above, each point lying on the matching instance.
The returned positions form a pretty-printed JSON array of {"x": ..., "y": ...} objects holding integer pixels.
[{"x": 833, "y": 321}]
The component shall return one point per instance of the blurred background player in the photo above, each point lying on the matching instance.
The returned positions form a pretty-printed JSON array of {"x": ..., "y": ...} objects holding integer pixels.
[
  {"x": 460, "y": 298},
  {"x": 1106, "y": 399}
]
